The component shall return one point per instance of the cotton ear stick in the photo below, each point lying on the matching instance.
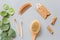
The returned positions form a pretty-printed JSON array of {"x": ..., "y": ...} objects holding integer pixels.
[
  {"x": 17, "y": 26},
  {"x": 50, "y": 29},
  {"x": 24, "y": 7},
  {"x": 42, "y": 10}
]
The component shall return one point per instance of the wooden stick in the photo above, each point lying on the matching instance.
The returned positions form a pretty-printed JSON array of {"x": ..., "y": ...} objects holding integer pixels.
[
  {"x": 21, "y": 31},
  {"x": 17, "y": 26}
]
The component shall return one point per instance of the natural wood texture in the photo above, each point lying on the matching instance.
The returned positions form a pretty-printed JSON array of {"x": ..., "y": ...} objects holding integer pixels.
[
  {"x": 50, "y": 29},
  {"x": 21, "y": 30},
  {"x": 53, "y": 20},
  {"x": 35, "y": 28},
  {"x": 42, "y": 10},
  {"x": 34, "y": 36},
  {"x": 24, "y": 7}
]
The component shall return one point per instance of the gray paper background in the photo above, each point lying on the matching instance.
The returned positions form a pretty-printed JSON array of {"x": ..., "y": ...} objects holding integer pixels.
[{"x": 52, "y": 5}]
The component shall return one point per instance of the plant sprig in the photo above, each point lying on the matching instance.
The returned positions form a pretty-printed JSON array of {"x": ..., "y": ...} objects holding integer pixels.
[{"x": 7, "y": 32}]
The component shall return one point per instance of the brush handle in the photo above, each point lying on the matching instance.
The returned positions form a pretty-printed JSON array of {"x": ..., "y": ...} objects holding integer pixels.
[{"x": 34, "y": 37}]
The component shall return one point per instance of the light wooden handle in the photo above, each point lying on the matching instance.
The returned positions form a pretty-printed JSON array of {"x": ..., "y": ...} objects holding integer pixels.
[
  {"x": 33, "y": 37},
  {"x": 17, "y": 29},
  {"x": 21, "y": 30}
]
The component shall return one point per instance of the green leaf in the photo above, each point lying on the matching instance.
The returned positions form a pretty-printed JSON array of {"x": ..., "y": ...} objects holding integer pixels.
[
  {"x": 1, "y": 31},
  {"x": 5, "y": 27},
  {"x": 4, "y": 13},
  {"x": 0, "y": 13},
  {"x": 0, "y": 38},
  {"x": 5, "y": 6},
  {"x": 0, "y": 23},
  {"x": 11, "y": 11},
  {"x": 7, "y": 15},
  {"x": 11, "y": 33},
  {"x": 6, "y": 38},
  {"x": 5, "y": 20},
  {"x": 4, "y": 34}
]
